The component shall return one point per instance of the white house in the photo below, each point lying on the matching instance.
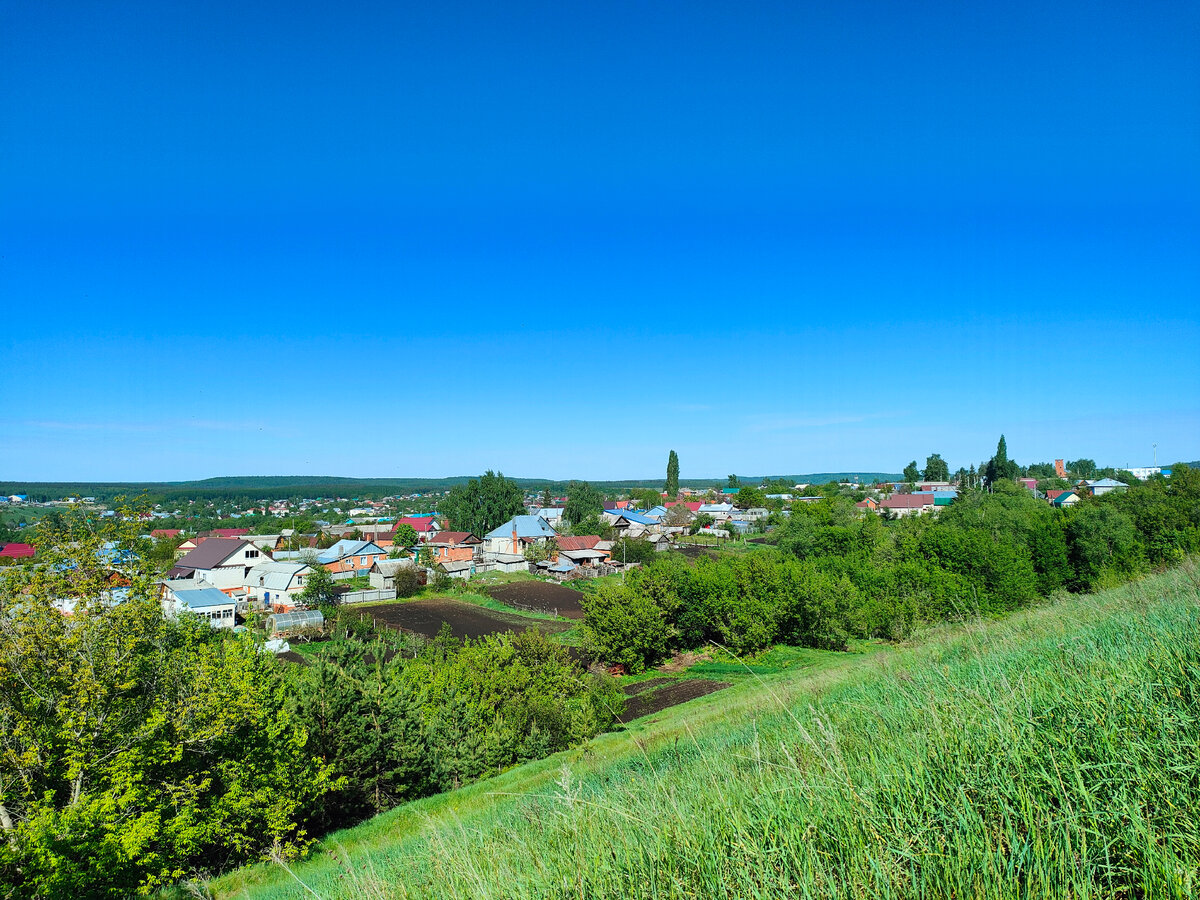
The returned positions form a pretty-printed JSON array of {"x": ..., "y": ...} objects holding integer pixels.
[
  {"x": 276, "y": 583},
  {"x": 516, "y": 535},
  {"x": 222, "y": 563}
]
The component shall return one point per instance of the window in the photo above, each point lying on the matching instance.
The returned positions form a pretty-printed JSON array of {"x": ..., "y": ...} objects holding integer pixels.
[
  {"x": 362, "y": 560},
  {"x": 251, "y": 554}
]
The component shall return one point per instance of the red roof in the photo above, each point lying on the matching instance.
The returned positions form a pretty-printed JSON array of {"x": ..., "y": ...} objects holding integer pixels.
[
  {"x": 422, "y": 525},
  {"x": 228, "y": 532},
  {"x": 17, "y": 551},
  {"x": 454, "y": 537},
  {"x": 866, "y": 504},
  {"x": 907, "y": 501},
  {"x": 582, "y": 542},
  {"x": 1057, "y": 492},
  {"x": 165, "y": 532},
  {"x": 694, "y": 506}
]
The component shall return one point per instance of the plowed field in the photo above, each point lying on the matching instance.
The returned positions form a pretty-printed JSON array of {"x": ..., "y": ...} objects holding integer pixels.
[
  {"x": 673, "y": 694},
  {"x": 425, "y": 617},
  {"x": 540, "y": 596}
]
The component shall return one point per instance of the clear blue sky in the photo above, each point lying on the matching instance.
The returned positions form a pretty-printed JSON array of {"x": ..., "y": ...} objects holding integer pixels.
[{"x": 562, "y": 239}]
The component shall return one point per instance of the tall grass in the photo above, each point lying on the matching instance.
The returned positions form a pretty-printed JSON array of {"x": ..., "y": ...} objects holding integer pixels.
[{"x": 1054, "y": 754}]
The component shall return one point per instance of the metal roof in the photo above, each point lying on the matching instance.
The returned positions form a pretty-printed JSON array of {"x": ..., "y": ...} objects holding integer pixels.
[
  {"x": 527, "y": 527},
  {"x": 201, "y": 598}
]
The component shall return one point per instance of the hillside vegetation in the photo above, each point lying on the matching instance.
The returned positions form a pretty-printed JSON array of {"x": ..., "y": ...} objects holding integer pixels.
[{"x": 1049, "y": 754}]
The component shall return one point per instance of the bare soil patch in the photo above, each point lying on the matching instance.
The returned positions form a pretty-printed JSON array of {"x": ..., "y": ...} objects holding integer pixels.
[
  {"x": 685, "y": 659},
  {"x": 640, "y": 687},
  {"x": 293, "y": 657},
  {"x": 540, "y": 596},
  {"x": 668, "y": 696},
  {"x": 426, "y": 617}
]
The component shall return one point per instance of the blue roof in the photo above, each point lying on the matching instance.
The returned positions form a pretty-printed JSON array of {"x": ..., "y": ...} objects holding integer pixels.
[
  {"x": 346, "y": 547},
  {"x": 199, "y": 598},
  {"x": 1106, "y": 482},
  {"x": 527, "y": 527},
  {"x": 636, "y": 517}
]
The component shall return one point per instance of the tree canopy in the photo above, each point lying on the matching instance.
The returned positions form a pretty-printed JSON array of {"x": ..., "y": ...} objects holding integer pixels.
[
  {"x": 936, "y": 468},
  {"x": 672, "y": 486},
  {"x": 583, "y": 502},
  {"x": 911, "y": 472},
  {"x": 483, "y": 504}
]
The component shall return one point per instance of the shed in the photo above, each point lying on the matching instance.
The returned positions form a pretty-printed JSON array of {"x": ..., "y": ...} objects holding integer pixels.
[{"x": 280, "y": 623}]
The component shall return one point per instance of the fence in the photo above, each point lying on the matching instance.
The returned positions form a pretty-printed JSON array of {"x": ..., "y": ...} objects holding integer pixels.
[{"x": 367, "y": 596}]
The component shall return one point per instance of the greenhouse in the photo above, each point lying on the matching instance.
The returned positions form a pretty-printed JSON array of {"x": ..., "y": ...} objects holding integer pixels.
[{"x": 295, "y": 621}]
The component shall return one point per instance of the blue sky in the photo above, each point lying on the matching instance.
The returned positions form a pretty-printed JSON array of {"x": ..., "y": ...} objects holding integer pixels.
[{"x": 561, "y": 240}]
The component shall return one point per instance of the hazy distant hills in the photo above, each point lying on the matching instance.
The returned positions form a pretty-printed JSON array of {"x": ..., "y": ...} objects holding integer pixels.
[{"x": 274, "y": 487}]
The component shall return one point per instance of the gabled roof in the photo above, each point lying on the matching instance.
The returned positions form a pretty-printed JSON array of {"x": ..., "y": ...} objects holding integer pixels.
[
  {"x": 211, "y": 553},
  {"x": 345, "y": 547},
  {"x": 420, "y": 524},
  {"x": 635, "y": 518},
  {"x": 694, "y": 506},
  {"x": 573, "y": 542},
  {"x": 165, "y": 532},
  {"x": 907, "y": 501},
  {"x": 278, "y": 576},
  {"x": 17, "y": 551},
  {"x": 1106, "y": 482},
  {"x": 454, "y": 537},
  {"x": 1055, "y": 493},
  {"x": 228, "y": 532},
  {"x": 715, "y": 507},
  {"x": 527, "y": 527}
]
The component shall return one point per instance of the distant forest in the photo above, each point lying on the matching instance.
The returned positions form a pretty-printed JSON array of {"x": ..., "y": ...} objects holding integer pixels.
[{"x": 279, "y": 487}]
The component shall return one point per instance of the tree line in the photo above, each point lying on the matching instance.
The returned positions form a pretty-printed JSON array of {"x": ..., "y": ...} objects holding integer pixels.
[{"x": 835, "y": 574}]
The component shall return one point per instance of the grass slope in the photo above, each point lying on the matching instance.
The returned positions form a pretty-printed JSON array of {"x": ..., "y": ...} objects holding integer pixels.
[{"x": 1052, "y": 754}]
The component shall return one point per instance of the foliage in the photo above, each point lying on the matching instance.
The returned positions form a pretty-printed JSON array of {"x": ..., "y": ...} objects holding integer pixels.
[
  {"x": 936, "y": 468},
  {"x": 624, "y": 626},
  {"x": 1000, "y": 467},
  {"x": 133, "y": 748},
  {"x": 583, "y": 502},
  {"x": 405, "y": 535},
  {"x": 483, "y": 504},
  {"x": 912, "y": 473},
  {"x": 633, "y": 550},
  {"x": 1082, "y": 468},
  {"x": 672, "y": 485},
  {"x": 838, "y": 574},
  {"x": 749, "y": 497},
  {"x": 319, "y": 589},
  {"x": 408, "y": 581},
  {"x": 645, "y": 498},
  {"x": 593, "y": 525},
  {"x": 1048, "y": 756}
]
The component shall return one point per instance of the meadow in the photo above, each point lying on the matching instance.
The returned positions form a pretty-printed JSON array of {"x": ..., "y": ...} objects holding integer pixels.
[{"x": 1052, "y": 753}]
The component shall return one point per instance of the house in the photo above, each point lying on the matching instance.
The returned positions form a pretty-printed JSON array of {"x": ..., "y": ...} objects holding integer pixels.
[
  {"x": 583, "y": 550},
  {"x": 869, "y": 503},
  {"x": 209, "y": 603},
  {"x": 454, "y": 546},
  {"x": 425, "y": 526},
  {"x": 693, "y": 506},
  {"x": 188, "y": 546},
  {"x": 269, "y": 542},
  {"x": 162, "y": 534},
  {"x": 353, "y": 557},
  {"x": 222, "y": 563},
  {"x": 1029, "y": 484},
  {"x": 383, "y": 572},
  {"x": 631, "y": 524},
  {"x": 17, "y": 551},
  {"x": 1104, "y": 486},
  {"x": 719, "y": 511},
  {"x": 901, "y": 505},
  {"x": 227, "y": 532},
  {"x": 552, "y": 514},
  {"x": 276, "y": 585},
  {"x": 661, "y": 542},
  {"x": 1063, "y": 499},
  {"x": 516, "y": 535}
]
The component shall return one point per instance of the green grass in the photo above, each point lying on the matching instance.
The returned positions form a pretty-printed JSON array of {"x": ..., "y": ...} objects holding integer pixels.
[{"x": 1050, "y": 754}]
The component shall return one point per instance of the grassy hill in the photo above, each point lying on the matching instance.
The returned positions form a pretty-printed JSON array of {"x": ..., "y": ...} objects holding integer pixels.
[{"x": 1050, "y": 754}]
